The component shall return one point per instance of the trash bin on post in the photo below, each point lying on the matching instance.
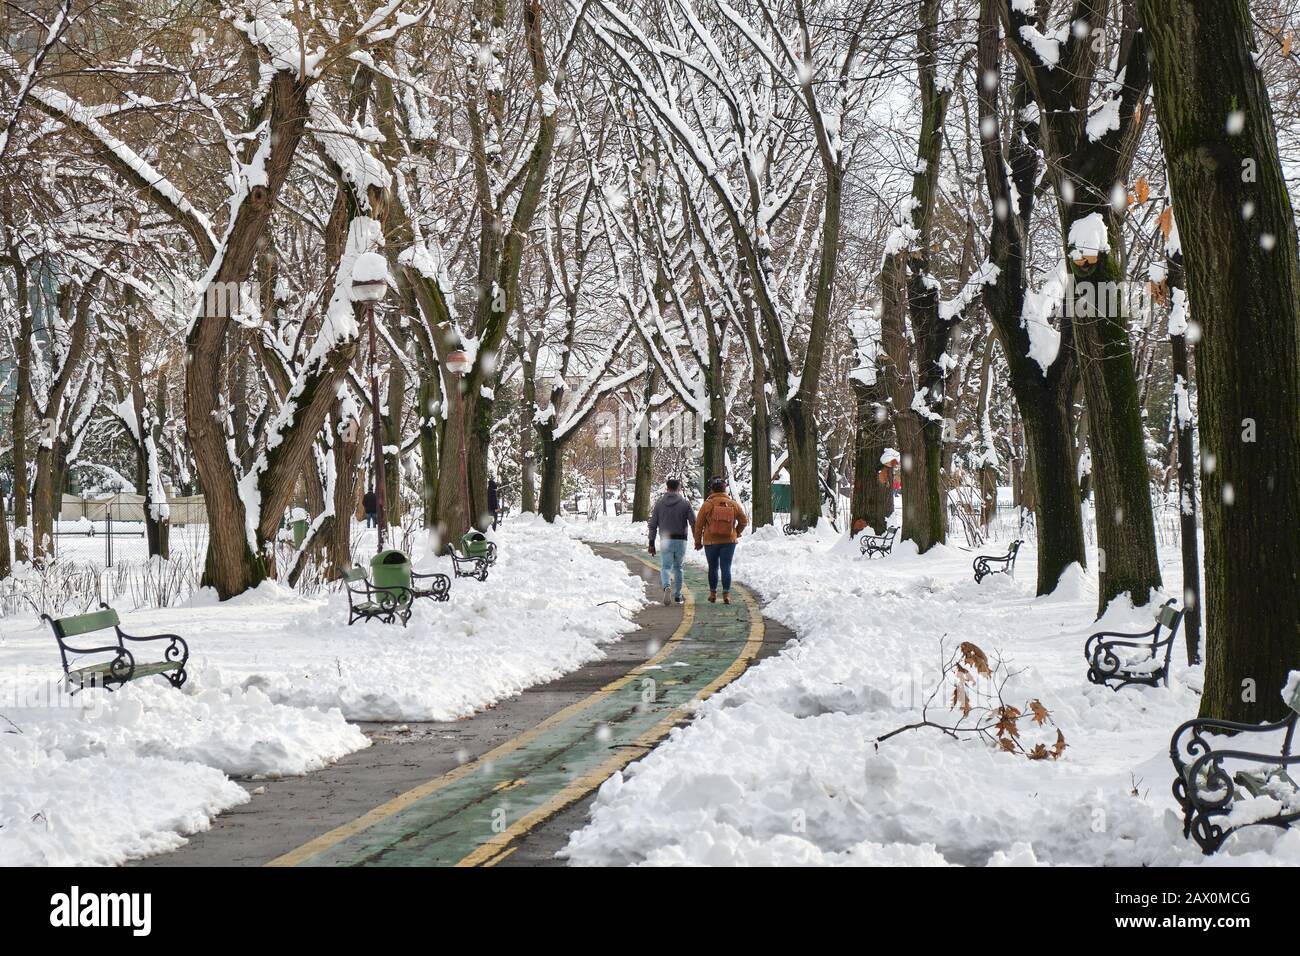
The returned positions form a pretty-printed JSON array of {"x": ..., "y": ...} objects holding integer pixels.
[
  {"x": 390, "y": 571},
  {"x": 474, "y": 544},
  {"x": 298, "y": 523},
  {"x": 781, "y": 497}
]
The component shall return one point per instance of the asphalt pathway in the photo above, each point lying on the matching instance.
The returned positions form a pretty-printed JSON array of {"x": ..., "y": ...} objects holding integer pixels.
[{"x": 507, "y": 785}]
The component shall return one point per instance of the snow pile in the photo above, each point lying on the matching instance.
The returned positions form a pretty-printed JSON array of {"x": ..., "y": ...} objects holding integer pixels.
[
  {"x": 100, "y": 809},
  {"x": 274, "y": 679},
  {"x": 780, "y": 767}
]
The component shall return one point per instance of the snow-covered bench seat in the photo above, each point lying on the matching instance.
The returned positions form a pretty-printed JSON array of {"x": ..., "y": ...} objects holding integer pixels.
[
  {"x": 987, "y": 564},
  {"x": 1116, "y": 660},
  {"x": 122, "y": 666},
  {"x": 881, "y": 544},
  {"x": 1223, "y": 789}
]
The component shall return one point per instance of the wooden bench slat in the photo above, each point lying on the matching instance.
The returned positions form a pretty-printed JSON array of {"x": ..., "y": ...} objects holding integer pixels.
[
  {"x": 87, "y": 623},
  {"x": 141, "y": 670}
]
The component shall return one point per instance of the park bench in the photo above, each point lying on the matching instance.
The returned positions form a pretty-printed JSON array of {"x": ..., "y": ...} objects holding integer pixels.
[
  {"x": 466, "y": 566},
  {"x": 1116, "y": 660},
  {"x": 438, "y": 588},
  {"x": 881, "y": 544},
  {"x": 987, "y": 564},
  {"x": 367, "y": 602},
  {"x": 1217, "y": 802},
  {"x": 475, "y": 556},
  {"x": 122, "y": 667}
]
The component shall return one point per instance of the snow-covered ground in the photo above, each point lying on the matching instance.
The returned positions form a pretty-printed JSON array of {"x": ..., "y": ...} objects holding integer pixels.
[
  {"x": 781, "y": 767},
  {"x": 274, "y": 679}
]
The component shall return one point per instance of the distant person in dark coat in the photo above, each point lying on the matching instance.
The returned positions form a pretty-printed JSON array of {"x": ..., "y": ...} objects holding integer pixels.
[
  {"x": 494, "y": 503},
  {"x": 370, "y": 504}
]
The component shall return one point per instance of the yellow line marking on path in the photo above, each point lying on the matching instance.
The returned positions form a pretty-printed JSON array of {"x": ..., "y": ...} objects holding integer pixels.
[
  {"x": 399, "y": 803},
  {"x": 491, "y": 851}
]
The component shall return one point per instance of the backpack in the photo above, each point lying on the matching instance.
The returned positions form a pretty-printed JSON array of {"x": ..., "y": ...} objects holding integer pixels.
[{"x": 722, "y": 519}]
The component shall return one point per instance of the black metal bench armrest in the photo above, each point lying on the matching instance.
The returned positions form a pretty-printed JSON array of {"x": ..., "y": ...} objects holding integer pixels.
[
  {"x": 1219, "y": 781},
  {"x": 439, "y": 586},
  {"x": 1116, "y": 639},
  {"x": 1197, "y": 745},
  {"x": 94, "y": 650},
  {"x": 178, "y": 649}
]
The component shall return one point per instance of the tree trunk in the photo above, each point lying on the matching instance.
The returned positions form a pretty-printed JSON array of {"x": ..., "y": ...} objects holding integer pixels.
[
  {"x": 6, "y": 565},
  {"x": 1243, "y": 278},
  {"x": 1051, "y": 465},
  {"x": 760, "y": 433},
  {"x": 393, "y": 439},
  {"x": 454, "y": 510},
  {"x": 428, "y": 448},
  {"x": 552, "y": 474},
  {"x": 1185, "y": 423},
  {"x": 1044, "y": 392},
  {"x": 231, "y": 566},
  {"x": 873, "y": 499},
  {"x": 1121, "y": 482},
  {"x": 347, "y": 452},
  {"x": 22, "y": 402},
  {"x": 528, "y": 346},
  {"x": 645, "y": 455}
]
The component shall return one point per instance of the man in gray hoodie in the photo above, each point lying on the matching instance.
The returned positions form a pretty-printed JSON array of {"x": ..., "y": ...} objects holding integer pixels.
[{"x": 673, "y": 519}]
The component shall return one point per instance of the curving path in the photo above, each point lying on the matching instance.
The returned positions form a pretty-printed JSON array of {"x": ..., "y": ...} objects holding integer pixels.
[{"x": 508, "y": 784}]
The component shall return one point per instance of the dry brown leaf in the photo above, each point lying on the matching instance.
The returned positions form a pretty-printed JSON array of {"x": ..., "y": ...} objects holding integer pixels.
[
  {"x": 1039, "y": 752},
  {"x": 1007, "y": 744},
  {"x": 1007, "y": 717},
  {"x": 1059, "y": 747},
  {"x": 1286, "y": 43},
  {"x": 1142, "y": 189},
  {"x": 976, "y": 658},
  {"x": 1166, "y": 222},
  {"x": 1039, "y": 711}
]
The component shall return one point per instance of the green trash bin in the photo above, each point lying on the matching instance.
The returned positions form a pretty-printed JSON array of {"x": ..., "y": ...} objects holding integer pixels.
[
  {"x": 390, "y": 570},
  {"x": 299, "y": 522},
  {"x": 781, "y": 497},
  {"x": 476, "y": 545}
]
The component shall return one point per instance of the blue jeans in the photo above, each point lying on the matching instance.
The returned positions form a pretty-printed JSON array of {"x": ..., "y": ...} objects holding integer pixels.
[
  {"x": 720, "y": 556},
  {"x": 671, "y": 554}
]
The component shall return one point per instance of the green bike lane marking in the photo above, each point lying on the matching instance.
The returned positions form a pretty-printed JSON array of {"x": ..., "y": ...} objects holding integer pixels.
[{"x": 473, "y": 815}]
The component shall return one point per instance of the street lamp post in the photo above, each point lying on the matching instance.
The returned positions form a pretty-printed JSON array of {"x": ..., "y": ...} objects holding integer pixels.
[{"x": 369, "y": 285}]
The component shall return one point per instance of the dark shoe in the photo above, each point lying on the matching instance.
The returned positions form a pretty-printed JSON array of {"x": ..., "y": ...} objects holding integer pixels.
[
  {"x": 726, "y": 597},
  {"x": 678, "y": 599},
  {"x": 666, "y": 601},
  {"x": 713, "y": 596}
]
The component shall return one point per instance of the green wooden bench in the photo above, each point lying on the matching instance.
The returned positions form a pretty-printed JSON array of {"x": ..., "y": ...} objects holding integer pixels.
[
  {"x": 1207, "y": 788},
  {"x": 122, "y": 666}
]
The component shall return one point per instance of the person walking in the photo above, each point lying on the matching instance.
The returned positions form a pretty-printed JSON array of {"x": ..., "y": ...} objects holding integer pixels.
[
  {"x": 672, "y": 519},
  {"x": 370, "y": 503},
  {"x": 720, "y": 521},
  {"x": 494, "y": 501}
]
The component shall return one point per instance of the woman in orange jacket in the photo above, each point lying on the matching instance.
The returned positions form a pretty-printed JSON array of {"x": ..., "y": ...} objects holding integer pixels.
[{"x": 719, "y": 521}]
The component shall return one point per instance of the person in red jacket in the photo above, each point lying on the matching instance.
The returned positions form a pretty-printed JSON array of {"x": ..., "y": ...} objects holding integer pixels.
[{"x": 717, "y": 525}]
